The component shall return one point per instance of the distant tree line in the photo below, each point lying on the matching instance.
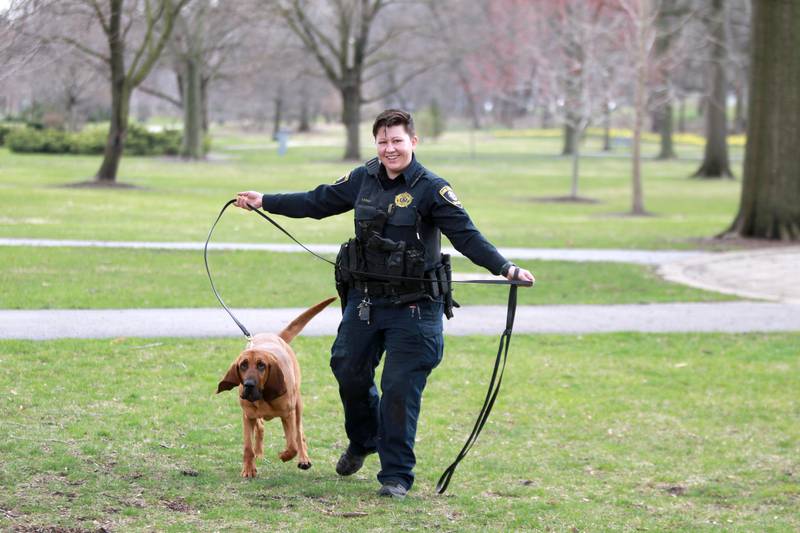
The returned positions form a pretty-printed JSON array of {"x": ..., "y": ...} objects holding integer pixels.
[{"x": 572, "y": 64}]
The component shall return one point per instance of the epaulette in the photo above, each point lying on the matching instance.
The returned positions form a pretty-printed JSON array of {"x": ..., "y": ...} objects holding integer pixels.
[
  {"x": 422, "y": 172},
  {"x": 373, "y": 166}
]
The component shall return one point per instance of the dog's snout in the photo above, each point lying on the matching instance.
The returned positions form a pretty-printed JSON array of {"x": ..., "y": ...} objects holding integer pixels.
[{"x": 250, "y": 390}]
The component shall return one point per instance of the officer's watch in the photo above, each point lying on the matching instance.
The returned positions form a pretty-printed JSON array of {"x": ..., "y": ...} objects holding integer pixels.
[{"x": 505, "y": 268}]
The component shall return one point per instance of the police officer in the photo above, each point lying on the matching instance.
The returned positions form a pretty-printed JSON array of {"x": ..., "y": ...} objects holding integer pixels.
[{"x": 401, "y": 209}]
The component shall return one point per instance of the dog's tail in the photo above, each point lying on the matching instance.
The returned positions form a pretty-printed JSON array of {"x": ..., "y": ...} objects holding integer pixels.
[{"x": 296, "y": 326}]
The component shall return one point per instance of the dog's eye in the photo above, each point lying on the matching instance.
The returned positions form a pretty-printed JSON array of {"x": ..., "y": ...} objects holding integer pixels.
[
  {"x": 261, "y": 366},
  {"x": 243, "y": 366}
]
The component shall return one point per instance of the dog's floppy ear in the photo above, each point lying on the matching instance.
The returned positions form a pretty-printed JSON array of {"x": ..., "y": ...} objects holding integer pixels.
[
  {"x": 231, "y": 379},
  {"x": 276, "y": 383}
]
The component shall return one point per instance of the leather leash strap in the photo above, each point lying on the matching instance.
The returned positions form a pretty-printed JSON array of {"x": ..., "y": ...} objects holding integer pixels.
[
  {"x": 491, "y": 393},
  {"x": 208, "y": 271}
]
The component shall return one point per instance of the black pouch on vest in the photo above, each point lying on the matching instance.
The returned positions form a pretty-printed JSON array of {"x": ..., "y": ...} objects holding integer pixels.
[
  {"x": 344, "y": 279},
  {"x": 414, "y": 263}
]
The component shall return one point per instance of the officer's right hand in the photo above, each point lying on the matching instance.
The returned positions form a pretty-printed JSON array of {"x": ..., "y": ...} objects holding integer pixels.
[{"x": 248, "y": 197}]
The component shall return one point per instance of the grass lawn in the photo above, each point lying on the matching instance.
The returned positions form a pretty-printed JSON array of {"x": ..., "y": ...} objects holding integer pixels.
[
  {"x": 681, "y": 432},
  {"x": 590, "y": 433},
  {"x": 85, "y": 278},
  {"x": 177, "y": 201},
  {"x": 499, "y": 186}
]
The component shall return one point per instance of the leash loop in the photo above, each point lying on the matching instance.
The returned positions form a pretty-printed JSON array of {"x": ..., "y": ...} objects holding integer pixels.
[
  {"x": 208, "y": 271},
  {"x": 491, "y": 393}
]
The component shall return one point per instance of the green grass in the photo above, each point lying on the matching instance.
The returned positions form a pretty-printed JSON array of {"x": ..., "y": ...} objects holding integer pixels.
[
  {"x": 177, "y": 201},
  {"x": 85, "y": 278},
  {"x": 590, "y": 433}
]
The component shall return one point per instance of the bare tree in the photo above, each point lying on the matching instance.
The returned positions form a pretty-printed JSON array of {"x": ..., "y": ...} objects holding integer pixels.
[
  {"x": 339, "y": 36},
  {"x": 770, "y": 201},
  {"x": 17, "y": 46},
  {"x": 135, "y": 35},
  {"x": 457, "y": 35},
  {"x": 640, "y": 39},
  {"x": 715, "y": 159},
  {"x": 670, "y": 20},
  {"x": 585, "y": 57},
  {"x": 204, "y": 39}
]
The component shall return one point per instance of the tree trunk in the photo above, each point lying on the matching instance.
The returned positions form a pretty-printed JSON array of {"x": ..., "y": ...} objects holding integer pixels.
[
  {"x": 546, "y": 118},
  {"x": 351, "y": 117},
  {"x": 770, "y": 200},
  {"x": 472, "y": 102},
  {"x": 715, "y": 161},
  {"x": 575, "y": 168},
  {"x": 120, "y": 99},
  {"x": 204, "y": 102},
  {"x": 682, "y": 115},
  {"x": 117, "y": 131},
  {"x": 569, "y": 140},
  {"x": 637, "y": 196},
  {"x": 665, "y": 129},
  {"x": 192, "y": 145},
  {"x": 606, "y": 127},
  {"x": 305, "y": 111},
  {"x": 277, "y": 117},
  {"x": 739, "y": 122}
]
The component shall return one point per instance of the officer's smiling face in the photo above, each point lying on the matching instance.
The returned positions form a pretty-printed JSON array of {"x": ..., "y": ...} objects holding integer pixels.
[{"x": 395, "y": 149}]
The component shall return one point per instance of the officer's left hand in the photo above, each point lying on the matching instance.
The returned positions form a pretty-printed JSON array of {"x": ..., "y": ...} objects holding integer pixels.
[{"x": 523, "y": 275}]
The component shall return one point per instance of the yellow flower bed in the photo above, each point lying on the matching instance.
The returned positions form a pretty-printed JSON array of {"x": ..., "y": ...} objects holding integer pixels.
[{"x": 677, "y": 138}]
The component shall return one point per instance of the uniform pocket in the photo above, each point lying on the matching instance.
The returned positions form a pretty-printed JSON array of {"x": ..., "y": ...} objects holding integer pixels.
[
  {"x": 432, "y": 339},
  {"x": 404, "y": 216}
]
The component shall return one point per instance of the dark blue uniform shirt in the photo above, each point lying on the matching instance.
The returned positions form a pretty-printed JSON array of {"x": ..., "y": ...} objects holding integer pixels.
[{"x": 420, "y": 205}]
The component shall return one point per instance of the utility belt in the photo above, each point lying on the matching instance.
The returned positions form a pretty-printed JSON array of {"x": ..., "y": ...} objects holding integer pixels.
[{"x": 402, "y": 268}]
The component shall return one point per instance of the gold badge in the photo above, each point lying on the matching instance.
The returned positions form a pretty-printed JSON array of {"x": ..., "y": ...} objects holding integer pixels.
[
  {"x": 403, "y": 200},
  {"x": 342, "y": 179},
  {"x": 448, "y": 194}
]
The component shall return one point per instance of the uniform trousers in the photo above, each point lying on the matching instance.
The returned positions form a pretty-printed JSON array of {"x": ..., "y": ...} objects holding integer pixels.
[{"x": 411, "y": 337}]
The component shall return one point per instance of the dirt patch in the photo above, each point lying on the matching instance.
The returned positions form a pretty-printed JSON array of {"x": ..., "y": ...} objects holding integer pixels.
[
  {"x": 49, "y": 529},
  {"x": 676, "y": 490},
  {"x": 178, "y": 504}
]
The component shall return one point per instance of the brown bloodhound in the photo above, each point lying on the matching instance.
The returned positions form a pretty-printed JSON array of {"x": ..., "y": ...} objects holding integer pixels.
[{"x": 268, "y": 377}]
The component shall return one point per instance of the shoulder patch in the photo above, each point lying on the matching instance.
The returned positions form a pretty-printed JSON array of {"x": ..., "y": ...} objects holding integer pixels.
[
  {"x": 449, "y": 195},
  {"x": 342, "y": 179}
]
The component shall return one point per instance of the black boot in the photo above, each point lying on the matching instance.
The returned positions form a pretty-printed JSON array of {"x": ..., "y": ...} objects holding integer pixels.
[{"x": 350, "y": 462}]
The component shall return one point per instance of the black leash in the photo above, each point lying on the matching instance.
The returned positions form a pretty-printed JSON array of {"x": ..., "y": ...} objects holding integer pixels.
[
  {"x": 491, "y": 394},
  {"x": 208, "y": 271},
  {"x": 502, "y": 351}
]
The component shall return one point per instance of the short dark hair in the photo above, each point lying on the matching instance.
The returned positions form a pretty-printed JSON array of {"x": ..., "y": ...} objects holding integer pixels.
[{"x": 393, "y": 117}]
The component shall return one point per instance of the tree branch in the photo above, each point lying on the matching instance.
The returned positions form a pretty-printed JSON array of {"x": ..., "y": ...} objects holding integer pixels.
[
  {"x": 86, "y": 50},
  {"x": 158, "y": 94}
]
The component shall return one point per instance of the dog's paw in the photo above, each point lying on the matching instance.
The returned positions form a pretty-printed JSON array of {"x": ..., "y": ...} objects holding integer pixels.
[
  {"x": 288, "y": 454},
  {"x": 304, "y": 466},
  {"x": 249, "y": 471}
]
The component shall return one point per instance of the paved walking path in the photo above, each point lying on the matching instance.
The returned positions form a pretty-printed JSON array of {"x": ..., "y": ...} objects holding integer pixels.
[
  {"x": 470, "y": 320},
  {"x": 769, "y": 274},
  {"x": 643, "y": 257}
]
